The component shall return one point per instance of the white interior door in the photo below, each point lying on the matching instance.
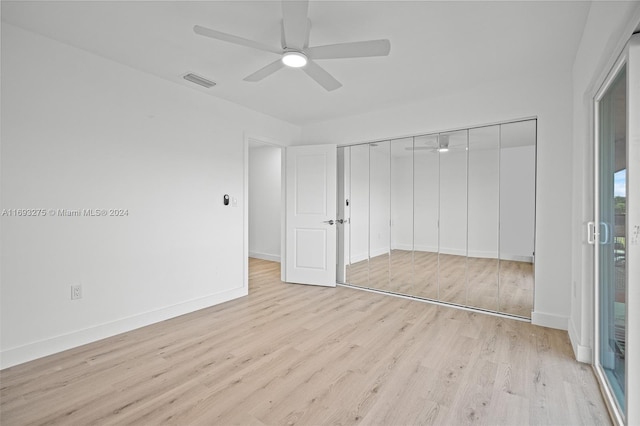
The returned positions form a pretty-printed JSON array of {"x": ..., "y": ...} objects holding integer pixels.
[{"x": 310, "y": 248}]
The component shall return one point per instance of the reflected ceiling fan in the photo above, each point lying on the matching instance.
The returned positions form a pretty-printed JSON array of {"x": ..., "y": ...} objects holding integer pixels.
[
  {"x": 440, "y": 144},
  {"x": 295, "y": 51}
]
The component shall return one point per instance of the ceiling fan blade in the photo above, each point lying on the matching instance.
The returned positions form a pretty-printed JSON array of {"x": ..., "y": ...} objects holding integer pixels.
[
  {"x": 265, "y": 71},
  {"x": 207, "y": 32},
  {"x": 294, "y": 23},
  {"x": 322, "y": 77},
  {"x": 357, "y": 49}
]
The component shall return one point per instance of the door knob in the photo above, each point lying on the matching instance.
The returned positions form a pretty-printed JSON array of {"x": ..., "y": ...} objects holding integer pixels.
[{"x": 330, "y": 222}]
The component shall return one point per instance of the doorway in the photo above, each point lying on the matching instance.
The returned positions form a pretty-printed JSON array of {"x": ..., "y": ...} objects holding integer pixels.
[{"x": 264, "y": 195}]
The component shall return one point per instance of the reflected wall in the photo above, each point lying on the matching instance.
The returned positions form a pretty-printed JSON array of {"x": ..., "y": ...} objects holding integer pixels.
[{"x": 447, "y": 217}]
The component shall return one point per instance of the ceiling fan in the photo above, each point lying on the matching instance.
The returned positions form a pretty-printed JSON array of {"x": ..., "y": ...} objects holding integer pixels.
[{"x": 295, "y": 51}]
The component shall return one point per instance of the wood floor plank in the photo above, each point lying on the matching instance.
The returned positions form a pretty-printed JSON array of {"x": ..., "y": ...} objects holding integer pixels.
[{"x": 292, "y": 354}]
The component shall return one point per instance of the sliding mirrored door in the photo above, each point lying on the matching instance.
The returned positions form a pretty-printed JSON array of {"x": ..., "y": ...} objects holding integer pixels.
[
  {"x": 517, "y": 216},
  {"x": 447, "y": 216},
  {"x": 484, "y": 209},
  {"x": 379, "y": 215},
  {"x": 426, "y": 210},
  {"x": 358, "y": 207},
  {"x": 452, "y": 259},
  {"x": 401, "y": 272}
]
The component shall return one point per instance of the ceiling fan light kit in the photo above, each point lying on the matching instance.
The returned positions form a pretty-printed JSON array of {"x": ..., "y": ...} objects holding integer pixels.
[
  {"x": 294, "y": 59},
  {"x": 295, "y": 51}
]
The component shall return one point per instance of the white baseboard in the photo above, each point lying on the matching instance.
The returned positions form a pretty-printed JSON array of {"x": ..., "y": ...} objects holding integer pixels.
[
  {"x": 516, "y": 257},
  {"x": 581, "y": 352},
  {"x": 265, "y": 256},
  {"x": 42, "y": 348},
  {"x": 453, "y": 251},
  {"x": 359, "y": 257},
  {"x": 430, "y": 249},
  {"x": 364, "y": 256},
  {"x": 379, "y": 251},
  {"x": 544, "y": 319},
  {"x": 402, "y": 246},
  {"x": 483, "y": 254}
]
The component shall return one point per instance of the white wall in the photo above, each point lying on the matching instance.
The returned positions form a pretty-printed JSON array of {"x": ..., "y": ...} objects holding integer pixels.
[
  {"x": 265, "y": 174},
  {"x": 609, "y": 25},
  {"x": 546, "y": 96},
  {"x": 82, "y": 132}
]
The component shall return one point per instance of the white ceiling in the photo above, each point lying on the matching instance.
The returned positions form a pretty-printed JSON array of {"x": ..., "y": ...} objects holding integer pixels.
[{"x": 436, "y": 47}]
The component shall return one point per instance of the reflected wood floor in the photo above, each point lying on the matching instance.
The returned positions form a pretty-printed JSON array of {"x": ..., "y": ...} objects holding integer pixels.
[
  {"x": 295, "y": 354},
  {"x": 505, "y": 286}
]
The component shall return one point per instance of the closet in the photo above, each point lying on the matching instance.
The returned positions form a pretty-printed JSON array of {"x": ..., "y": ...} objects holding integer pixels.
[{"x": 448, "y": 217}]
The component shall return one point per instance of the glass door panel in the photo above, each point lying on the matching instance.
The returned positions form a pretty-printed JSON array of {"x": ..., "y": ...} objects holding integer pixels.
[
  {"x": 358, "y": 266},
  {"x": 401, "y": 263},
  {"x": 426, "y": 196},
  {"x": 612, "y": 244},
  {"x": 452, "y": 257},
  {"x": 379, "y": 215},
  {"x": 484, "y": 208}
]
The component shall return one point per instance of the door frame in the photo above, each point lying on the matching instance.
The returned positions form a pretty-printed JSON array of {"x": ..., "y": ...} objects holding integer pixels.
[{"x": 609, "y": 397}]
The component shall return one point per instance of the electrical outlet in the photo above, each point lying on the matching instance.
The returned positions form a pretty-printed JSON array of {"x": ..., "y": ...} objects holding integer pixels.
[{"x": 76, "y": 292}]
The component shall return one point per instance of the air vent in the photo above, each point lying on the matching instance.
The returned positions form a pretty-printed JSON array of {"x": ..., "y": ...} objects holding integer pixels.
[{"x": 199, "y": 80}]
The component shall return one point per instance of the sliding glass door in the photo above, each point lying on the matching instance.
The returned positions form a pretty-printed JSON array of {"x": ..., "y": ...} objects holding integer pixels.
[
  {"x": 615, "y": 234},
  {"x": 612, "y": 209}
]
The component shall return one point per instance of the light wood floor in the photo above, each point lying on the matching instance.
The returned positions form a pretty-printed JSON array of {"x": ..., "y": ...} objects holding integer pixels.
[
  {"x": 501, "y": 286},
  {"x": 295, "y": 354}
]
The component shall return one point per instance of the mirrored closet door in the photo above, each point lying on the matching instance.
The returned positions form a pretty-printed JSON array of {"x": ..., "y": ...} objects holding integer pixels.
[
  {"x": 484, "y": 218},
  {"x": 401, "y": 262},
  {"x": 356, "y": 214},
  {"x": 448, "y": 217}
]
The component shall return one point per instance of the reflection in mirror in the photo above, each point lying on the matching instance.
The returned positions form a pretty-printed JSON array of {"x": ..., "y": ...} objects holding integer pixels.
[
  {"x": 342, "y": 229},
  {"x": 517, "y": 217},
  {"x": 358, "y": 266},
  {"x": 426, "y": 196},
  {"x": 401, "y": 263},
  {"x": 446, "y": 217},
  {"x": 483, "y": 210},
  {"x": 452, "y": 258},
  {"x": 379, "y": 215}
]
